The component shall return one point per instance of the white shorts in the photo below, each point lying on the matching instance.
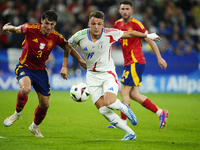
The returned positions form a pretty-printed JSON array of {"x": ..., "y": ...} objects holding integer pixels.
[{"x": 101, "y": 82}]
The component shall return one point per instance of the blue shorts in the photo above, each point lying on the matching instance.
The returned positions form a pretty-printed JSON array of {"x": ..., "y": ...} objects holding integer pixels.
[
  {"x": 39, "y": 79},
  {"x": 132, "y": 74}
]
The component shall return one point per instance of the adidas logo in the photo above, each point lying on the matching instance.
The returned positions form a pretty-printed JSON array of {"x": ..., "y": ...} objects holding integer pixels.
[
  {"x": 111, "y": 89},
  {"x": 35, "y": 40}
]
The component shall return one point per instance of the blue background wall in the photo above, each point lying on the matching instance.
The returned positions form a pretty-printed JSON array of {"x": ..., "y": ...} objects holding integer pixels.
[{"x": 181, "y": 76}]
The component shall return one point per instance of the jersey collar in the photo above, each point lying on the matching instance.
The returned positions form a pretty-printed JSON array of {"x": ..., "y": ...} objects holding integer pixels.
[{"x": 88, "y": 34}]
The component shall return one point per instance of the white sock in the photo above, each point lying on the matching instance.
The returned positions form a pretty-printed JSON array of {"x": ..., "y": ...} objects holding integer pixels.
[
  {"x": 115, "y": 120},
  {"x": 117, "y": 105},
  {"x": 34, "y": 125},
  {"x": 125, "y": 121},
  {"x": 159, "y": 111},
  {"x": 17, "y": 113}
]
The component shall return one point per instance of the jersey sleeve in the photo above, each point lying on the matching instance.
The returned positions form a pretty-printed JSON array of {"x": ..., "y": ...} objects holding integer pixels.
[
  {"x": 140, "y": 27},
  {"x": 117, "y": 34},
  {"x": 115, "y": 25},
  {"x": 61, "y": 40},
  {"x": 73, "y": 40},
  {"x": 24, "y": 28}
]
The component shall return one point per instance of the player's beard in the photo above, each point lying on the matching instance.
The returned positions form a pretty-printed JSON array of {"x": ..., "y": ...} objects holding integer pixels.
[
  {"x": 48, "y": 31},
  {"x": 126, "y": 17}
]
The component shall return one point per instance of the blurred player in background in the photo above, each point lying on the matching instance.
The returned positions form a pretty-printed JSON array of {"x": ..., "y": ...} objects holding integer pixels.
[
  {"x": 134, "y": 62},
  {"x": 39, "y": 41},
  {"x": 95, "y": 43}
]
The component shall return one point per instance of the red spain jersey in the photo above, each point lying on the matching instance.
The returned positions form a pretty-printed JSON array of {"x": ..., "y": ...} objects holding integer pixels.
[
  {"x": 37, "y": 47},
  {"x": 131, "y": 47}
]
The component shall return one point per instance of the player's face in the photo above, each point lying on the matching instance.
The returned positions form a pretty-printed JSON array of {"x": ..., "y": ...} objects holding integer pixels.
[
  {"x": 96, "y": 25},
  {"x": 125, "y": 10},
  {"x": 47, "y": 26}
]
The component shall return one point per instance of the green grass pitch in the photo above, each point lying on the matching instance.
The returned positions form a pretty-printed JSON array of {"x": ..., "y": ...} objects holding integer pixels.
[{"x": 70, "y": 125}]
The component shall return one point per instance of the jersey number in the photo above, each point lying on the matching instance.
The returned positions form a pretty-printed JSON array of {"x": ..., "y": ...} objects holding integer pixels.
[
  {"x": 39, "y": 54},
  {"x": 125, "y": 74},
  {"x": 90, "y": 55},
  {"x": 125, "y": 42}
]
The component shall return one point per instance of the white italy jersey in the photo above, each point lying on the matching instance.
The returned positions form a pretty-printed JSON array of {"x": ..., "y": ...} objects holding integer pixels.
[{"x": 97, "y": 54}]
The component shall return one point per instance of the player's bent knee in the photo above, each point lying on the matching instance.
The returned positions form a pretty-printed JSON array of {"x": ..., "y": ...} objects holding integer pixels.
[
  {"x": 44, "y": 107},
  {"x": 25, "y": 91}
]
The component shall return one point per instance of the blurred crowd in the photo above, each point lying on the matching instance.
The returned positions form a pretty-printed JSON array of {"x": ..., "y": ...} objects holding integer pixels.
[{"x": 176, "y": 21}]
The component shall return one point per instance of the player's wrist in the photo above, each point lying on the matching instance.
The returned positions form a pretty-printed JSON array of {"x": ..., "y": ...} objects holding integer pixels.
[
  {"x": 152, "y": 36},
  {"x": 64, "y": 66}
]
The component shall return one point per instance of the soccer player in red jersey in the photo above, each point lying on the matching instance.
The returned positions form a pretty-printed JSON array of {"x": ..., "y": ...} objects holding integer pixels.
[
  {"x": 134, "y": 62},
  {"x": 39, "y": 41}
]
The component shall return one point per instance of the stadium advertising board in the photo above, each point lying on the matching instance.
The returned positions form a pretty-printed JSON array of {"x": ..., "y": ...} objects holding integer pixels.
[{"x": 150, "y": 83}]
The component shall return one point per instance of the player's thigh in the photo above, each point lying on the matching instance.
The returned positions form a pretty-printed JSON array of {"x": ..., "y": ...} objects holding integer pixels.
[
  {"x": 125, "y": 89},
  {"x": 25, "y": 84},
  {"x": 96, "y": 93},
  {"x": 125, "y": 93},
  {"x": 109, "y": 98},
  {"x": 94, "y": 85},
  {"x": 100, "y": 102},
  {"x": 40, "y": 82}
]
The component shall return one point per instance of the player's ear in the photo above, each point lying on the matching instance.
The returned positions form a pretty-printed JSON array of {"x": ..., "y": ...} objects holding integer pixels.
[{"x": 41, "y": 20}]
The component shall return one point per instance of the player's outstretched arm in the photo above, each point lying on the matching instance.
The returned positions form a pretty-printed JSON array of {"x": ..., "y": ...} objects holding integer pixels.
[
  {"x": 64, "y": 69},
  {"x": 161, "y": 62},
  {"x": 76, "y": 56},
  {"x": 132, "y": 33},
  {"x": 8, "y": 28}
]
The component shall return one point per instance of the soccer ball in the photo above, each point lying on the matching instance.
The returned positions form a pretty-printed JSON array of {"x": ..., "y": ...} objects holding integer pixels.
[{"x": 79, "y": 92}]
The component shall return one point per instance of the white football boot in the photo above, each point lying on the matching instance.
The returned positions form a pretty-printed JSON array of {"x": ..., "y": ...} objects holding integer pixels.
[
  {"x": 35, "y": 130},
  {"x": 11, "y": 119}
]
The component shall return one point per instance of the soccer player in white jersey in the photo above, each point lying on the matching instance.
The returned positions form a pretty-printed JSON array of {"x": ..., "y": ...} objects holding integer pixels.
[{"x": 95, "y": 43}]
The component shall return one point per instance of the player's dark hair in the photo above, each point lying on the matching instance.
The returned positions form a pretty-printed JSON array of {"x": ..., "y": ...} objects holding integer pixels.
[
  {"x": 96, "y": 14},
  {"x": 126, "y": 2},
  {"x": 50, "y": 15}
]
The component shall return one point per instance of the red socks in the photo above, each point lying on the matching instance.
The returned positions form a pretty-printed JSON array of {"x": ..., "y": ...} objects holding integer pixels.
[
  {"x": 123, "y": 116},
  {"x": 21, "y": 101},
  {"x": 39, "y": 115},
  {"x": 149, "y": 105}
]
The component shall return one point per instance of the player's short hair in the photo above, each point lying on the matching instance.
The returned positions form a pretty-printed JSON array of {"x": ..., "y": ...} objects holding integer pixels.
[
  {"x": 126, "y": 2},
  {"x": 96, "y": 14},
  {"x": 51, "y": 15}
]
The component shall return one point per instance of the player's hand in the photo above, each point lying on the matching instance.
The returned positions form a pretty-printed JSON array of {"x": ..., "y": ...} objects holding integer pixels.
[
  {"x": 154, "y": 37},
  {"x": 64, "y": 73},
  {"x": 162, "y": 63},
  {"x": 5, "y": 28}
]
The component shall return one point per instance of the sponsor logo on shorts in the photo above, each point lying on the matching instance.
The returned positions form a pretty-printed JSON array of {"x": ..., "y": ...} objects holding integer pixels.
[
  {"x": 22, "y": 73},
  {"x": 111, "y": 89}
]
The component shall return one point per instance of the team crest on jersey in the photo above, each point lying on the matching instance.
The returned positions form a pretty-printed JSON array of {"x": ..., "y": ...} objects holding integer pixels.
[
  {"x": 70, "y": 40},
  {"x": 130, "y": 29},
  {"x": 42, "y": 45},
  {"x": 100, "y": 45},
  {"x": 49, "y": 45}
]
